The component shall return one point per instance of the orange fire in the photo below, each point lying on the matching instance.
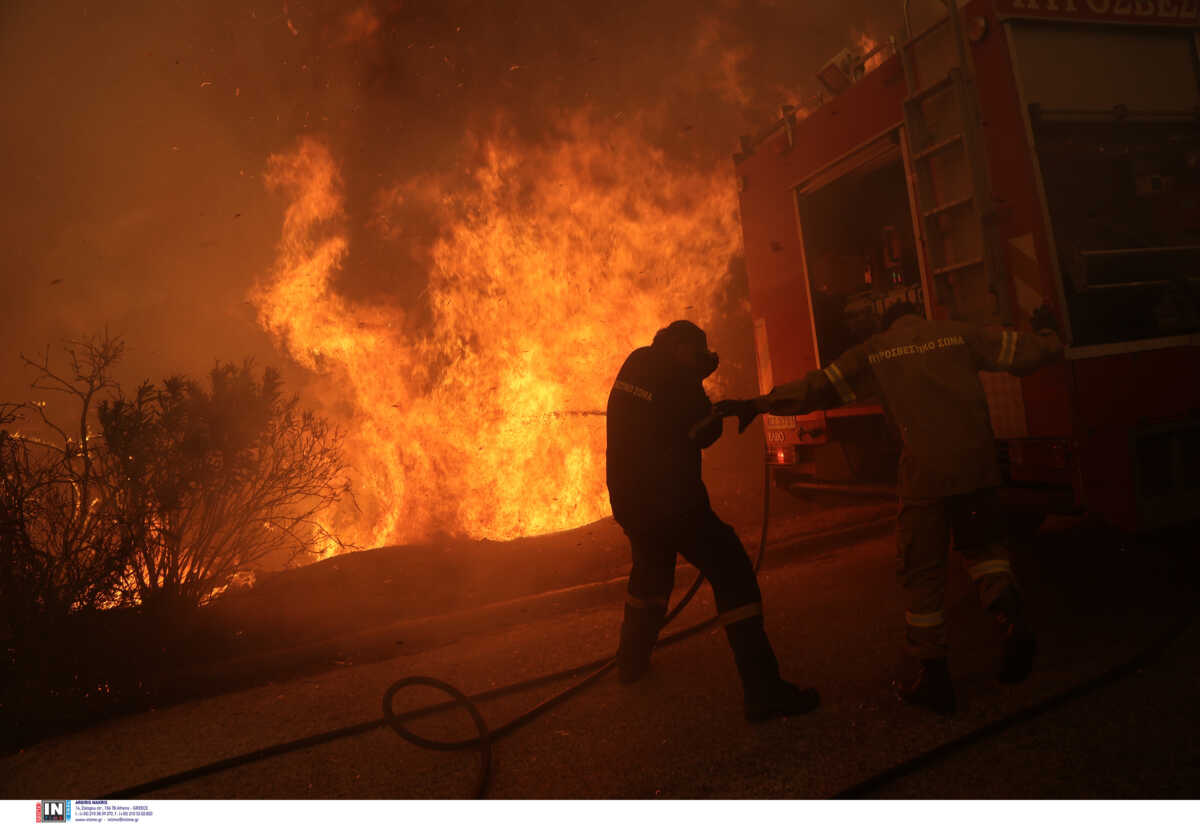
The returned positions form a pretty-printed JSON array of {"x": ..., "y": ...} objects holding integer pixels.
[
  {"x": 866, "y": 44},
  {"x": 558, "y": 260}
]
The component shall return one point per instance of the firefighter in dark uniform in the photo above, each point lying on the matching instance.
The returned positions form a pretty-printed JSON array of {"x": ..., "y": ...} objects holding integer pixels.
[
  {"x": 659, "y": 420},
  {"x": 926, "y": 373}
]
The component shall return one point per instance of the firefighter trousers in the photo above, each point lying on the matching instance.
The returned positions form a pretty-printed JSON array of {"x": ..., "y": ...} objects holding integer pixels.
[
  {"x": 925, "y": 530},
  {"x": 706, "y": 542},
  {"x": 713, "y": 547}
]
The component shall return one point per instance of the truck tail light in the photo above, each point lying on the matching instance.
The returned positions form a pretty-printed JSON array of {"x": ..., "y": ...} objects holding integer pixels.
[{"x": 781, "y": 455}]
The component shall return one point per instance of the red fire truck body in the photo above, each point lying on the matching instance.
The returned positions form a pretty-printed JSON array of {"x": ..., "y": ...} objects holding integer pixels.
[{"x": 1069, "y": 176}]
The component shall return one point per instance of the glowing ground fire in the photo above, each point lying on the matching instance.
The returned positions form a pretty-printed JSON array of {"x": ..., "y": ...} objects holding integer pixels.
[{"x": 558, "y": 260}]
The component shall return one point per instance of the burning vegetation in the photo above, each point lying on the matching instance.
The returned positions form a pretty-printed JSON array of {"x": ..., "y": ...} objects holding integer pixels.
[
  {"x": 443, "y": 223},
  {"x": 475, "y": 229},
  {"x": 157, "y": 498},
  {"x": 483, "y": 208},
  {"x": 552, "y": 262}
]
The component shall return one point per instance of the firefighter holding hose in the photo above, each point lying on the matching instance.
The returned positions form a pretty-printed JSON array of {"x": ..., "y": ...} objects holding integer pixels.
[
  {"x": 659, "y": 420},
  {"x": 926, "y": 373}
]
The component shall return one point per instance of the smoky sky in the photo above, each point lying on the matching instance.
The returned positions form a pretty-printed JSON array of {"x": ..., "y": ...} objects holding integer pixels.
[{"x": 136, "y": 135}]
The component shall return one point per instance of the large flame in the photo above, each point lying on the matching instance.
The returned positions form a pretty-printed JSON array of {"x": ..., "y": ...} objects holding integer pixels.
[{"x": 553, "y": 264}]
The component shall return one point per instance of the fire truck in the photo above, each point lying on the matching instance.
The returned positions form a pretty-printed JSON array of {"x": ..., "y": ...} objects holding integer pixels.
[{"x": 1002, "y": 156}]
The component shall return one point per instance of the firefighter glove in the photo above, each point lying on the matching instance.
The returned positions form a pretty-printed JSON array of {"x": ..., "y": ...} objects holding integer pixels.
[{"x": 746, "y": 412}]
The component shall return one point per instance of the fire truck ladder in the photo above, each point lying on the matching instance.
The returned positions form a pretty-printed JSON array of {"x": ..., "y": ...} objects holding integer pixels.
[{"x": 953, "y": 194}]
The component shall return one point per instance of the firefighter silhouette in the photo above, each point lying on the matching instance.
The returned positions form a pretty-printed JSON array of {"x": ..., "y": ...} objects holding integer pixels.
[
  {"x": 659, "y": 421},
  {"x": 926, "y": 373}
]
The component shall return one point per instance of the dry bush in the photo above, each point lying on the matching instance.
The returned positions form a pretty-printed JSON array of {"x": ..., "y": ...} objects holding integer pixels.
[
  {"x": 212, "y": 480},
  {"x": 158, "y": 498}
]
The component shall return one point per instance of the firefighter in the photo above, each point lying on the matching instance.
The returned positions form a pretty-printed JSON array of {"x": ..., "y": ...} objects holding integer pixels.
[
  {"x": 659, "y": 420},
  {"x": 926, "y": 373}
]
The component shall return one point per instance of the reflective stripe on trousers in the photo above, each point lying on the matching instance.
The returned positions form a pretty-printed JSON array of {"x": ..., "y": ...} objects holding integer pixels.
[
  {"x": 738, "y": 614},
  {"x": 996, "y": 566},
  {"x": 924, "y": 619},
  {"x": 645, "y": 603},
  {"x": 925, "y": 531}
]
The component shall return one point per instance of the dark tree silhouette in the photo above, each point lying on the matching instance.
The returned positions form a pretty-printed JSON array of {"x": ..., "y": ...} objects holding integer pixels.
[{"x": 59, "y": 546}]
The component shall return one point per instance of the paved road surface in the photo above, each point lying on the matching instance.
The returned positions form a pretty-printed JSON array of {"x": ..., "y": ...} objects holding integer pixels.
[{"x": 836, "y": 620}]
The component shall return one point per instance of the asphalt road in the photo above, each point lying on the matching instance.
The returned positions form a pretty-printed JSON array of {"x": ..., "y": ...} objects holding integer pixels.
[{"x": 836, "y": 618}]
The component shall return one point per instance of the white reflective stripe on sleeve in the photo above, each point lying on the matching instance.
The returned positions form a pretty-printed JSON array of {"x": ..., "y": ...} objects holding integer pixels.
[
  {"x": 645, "y": 603},
  {"x": 740, "y": 614},
  {"x": 996, "y": 567},
  {"x": 839, "y": 383},
  {"x": 1008, "y": 348},
  {"x": 925, "y": 619},
  {"x": 636, "y": 391}
]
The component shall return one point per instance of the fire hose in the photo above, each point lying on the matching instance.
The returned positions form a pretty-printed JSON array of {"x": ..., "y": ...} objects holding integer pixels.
[{"x": 592, "y": 671}]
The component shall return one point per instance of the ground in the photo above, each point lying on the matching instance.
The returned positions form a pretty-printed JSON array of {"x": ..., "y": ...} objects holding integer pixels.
[{"x": 834, "y": 610}]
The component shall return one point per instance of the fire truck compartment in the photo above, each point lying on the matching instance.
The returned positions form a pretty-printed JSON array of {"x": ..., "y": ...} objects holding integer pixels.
[
  {"x": 859, "y": 251},
  {"x": 1124, "y": 203},
  {"x": 1119, "y": 157}
]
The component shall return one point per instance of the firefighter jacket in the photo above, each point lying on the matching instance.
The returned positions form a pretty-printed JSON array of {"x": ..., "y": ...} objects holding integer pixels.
[
  {"x": 927, "y": 375},
  {"x": 653, "y": 464}
]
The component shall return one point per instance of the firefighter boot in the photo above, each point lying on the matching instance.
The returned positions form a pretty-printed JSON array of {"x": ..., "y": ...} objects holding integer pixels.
[
  {"x": 639, "y": 632},
  {"x": 932, "y": 689},
  {"x": 766, "y": 695},
  {"x": 1020, "y": 644}
]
